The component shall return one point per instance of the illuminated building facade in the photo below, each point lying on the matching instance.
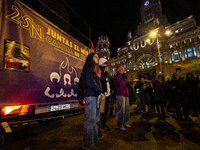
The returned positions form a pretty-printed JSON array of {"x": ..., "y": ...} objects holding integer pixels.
[
  {"x": 141, "y": 57},
  {"x": 103, "y": 47}
]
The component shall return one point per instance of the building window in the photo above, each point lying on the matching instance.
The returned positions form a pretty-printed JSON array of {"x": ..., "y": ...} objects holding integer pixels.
[
  {"x": 189, "y": 51},
  {"x": 160, "y": 58},
  {"x": 199, "y": 49},
  {"x": 182, "y": 29},
  {"x": 180, "y": 55},
  {"x": 195, "y": 53},
  {"x": 148, "y": 14},
  {"x": 113, "y": 71},
  {"x": 176, "y": 56},
  {"x": 172, "y": 57},
  {"x": 142, "y": 43},
  {"x": 187, "y": 40},
  {"x": 130, "y": 65},
  {"x": 185, "y": 53},
  {"x": 174, "y": 44},
  {"x": 125, "y": 69},
  {"x": 145, "y": 65}
]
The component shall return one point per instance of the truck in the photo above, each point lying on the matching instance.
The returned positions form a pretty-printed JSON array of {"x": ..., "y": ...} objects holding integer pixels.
[{"x": 40, "y": 64}]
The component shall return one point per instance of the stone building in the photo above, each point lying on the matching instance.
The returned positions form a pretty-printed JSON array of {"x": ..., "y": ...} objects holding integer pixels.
[
  {"x": 103, "y": 47},
  {"x": 161, "y": 53}
]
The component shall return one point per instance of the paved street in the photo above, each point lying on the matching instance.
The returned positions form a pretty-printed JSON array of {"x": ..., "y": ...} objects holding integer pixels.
[{"x": 145, "y": 134}]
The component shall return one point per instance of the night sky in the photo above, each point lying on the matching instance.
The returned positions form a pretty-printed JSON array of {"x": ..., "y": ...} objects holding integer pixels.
[{"x": 116, "y": 18}]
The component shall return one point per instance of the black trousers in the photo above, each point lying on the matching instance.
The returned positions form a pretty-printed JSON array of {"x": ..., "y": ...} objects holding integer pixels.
[
  {"x": 181, "y": 102},
  {"x": 192, "y": 100},
  {"x": 160, "y": 104},
  {"x": 104, "y": 115}
]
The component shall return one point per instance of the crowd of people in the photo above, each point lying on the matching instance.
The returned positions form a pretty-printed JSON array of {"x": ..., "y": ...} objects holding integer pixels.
[
  {"x": 178, "y": 94},
  {"x": 160, "y": 96}
]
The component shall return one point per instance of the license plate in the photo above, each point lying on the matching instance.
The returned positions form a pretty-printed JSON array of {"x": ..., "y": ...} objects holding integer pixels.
[{"x": 59, "y": 107}]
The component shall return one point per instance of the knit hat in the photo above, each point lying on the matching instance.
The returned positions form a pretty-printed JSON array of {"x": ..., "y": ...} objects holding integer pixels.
[
  {"x": 102, "y": 60},
  {"x": 120, "y": 68}
]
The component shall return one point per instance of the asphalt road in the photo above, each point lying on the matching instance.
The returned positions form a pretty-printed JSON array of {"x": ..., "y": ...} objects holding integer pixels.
[{"x": 145, "y": 134}]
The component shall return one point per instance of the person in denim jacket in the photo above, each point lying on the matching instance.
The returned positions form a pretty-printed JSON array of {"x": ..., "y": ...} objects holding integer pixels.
[
  {"x": 92, "y": 89},
  {"x": 122, "y": 99}
]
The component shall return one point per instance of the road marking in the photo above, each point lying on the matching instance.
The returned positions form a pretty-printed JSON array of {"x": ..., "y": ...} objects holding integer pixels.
[{"x": 6, "y": 127}]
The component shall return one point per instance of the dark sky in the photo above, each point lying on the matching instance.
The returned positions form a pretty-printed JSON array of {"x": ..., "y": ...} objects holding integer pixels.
[{"x": 116, "y": 18}]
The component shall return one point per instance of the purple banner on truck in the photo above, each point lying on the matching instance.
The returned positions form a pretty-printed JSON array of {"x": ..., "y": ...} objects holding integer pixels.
[{"x": 39, "y": 62}]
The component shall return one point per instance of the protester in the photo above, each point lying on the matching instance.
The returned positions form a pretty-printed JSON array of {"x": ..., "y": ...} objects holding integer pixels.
[
  {"x": 122, "y": 100},
  {"x": 177, "y": 89},
  {"x": 92, "y": 89},
  {"x": 131, "y": 93},
  {"x": 159, "y": 97},
  {"x": 112, "y": 96},
  {"x": 151, "y": 95},
  {"x": 169, "y": 105},
  {"x": 174, "y": 88},
  {"x": 144, "y": 95},
  {"x": 183, "y": 99},
  {"x": 106, "y": 89},
  {"x": 139, "y": 105},
  {"x": 192, "y": 84}
]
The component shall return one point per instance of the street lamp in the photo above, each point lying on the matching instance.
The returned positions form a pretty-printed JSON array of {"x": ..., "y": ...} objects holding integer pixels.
[{"x": 155, "y": 34}]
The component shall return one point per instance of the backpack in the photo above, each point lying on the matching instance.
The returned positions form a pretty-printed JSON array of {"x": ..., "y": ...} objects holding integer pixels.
[{"x": 80, "y": 89}]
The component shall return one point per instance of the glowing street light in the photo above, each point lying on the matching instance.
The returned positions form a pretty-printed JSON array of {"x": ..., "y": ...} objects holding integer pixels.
[
  {"x": 155, "y": 34},
  {"x": 168, "y": 32},
  {"x": 148, "y": 41}
]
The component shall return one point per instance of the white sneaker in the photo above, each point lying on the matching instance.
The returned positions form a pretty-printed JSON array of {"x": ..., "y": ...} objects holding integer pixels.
[
  {"x": 122, "y": 128},
  {"x": 128, "y": 126}
]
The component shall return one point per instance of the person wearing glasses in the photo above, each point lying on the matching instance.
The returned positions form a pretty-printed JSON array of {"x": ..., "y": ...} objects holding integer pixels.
[
  {"x": 122, "y": 100},
  {"x": 92, "y": 90}
]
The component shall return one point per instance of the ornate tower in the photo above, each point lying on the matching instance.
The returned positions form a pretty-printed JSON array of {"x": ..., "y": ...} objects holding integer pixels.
[
  {"x": 102, "y": 47},
  {"x": 150, "y": 9},
  {"x": 151, "y": 16}
]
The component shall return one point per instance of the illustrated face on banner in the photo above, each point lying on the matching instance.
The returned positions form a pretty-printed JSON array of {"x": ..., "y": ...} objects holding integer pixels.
[{"x": 63, "y": 80}]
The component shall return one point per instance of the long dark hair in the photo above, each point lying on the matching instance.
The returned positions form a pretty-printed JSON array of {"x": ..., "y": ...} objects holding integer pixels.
[{"x": 90, "y": 62}]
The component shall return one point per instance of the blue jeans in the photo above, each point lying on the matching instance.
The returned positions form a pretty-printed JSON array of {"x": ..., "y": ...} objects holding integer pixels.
[
  {"x": 91, "y": 121},
  {"x": 122, "y": 110}
]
